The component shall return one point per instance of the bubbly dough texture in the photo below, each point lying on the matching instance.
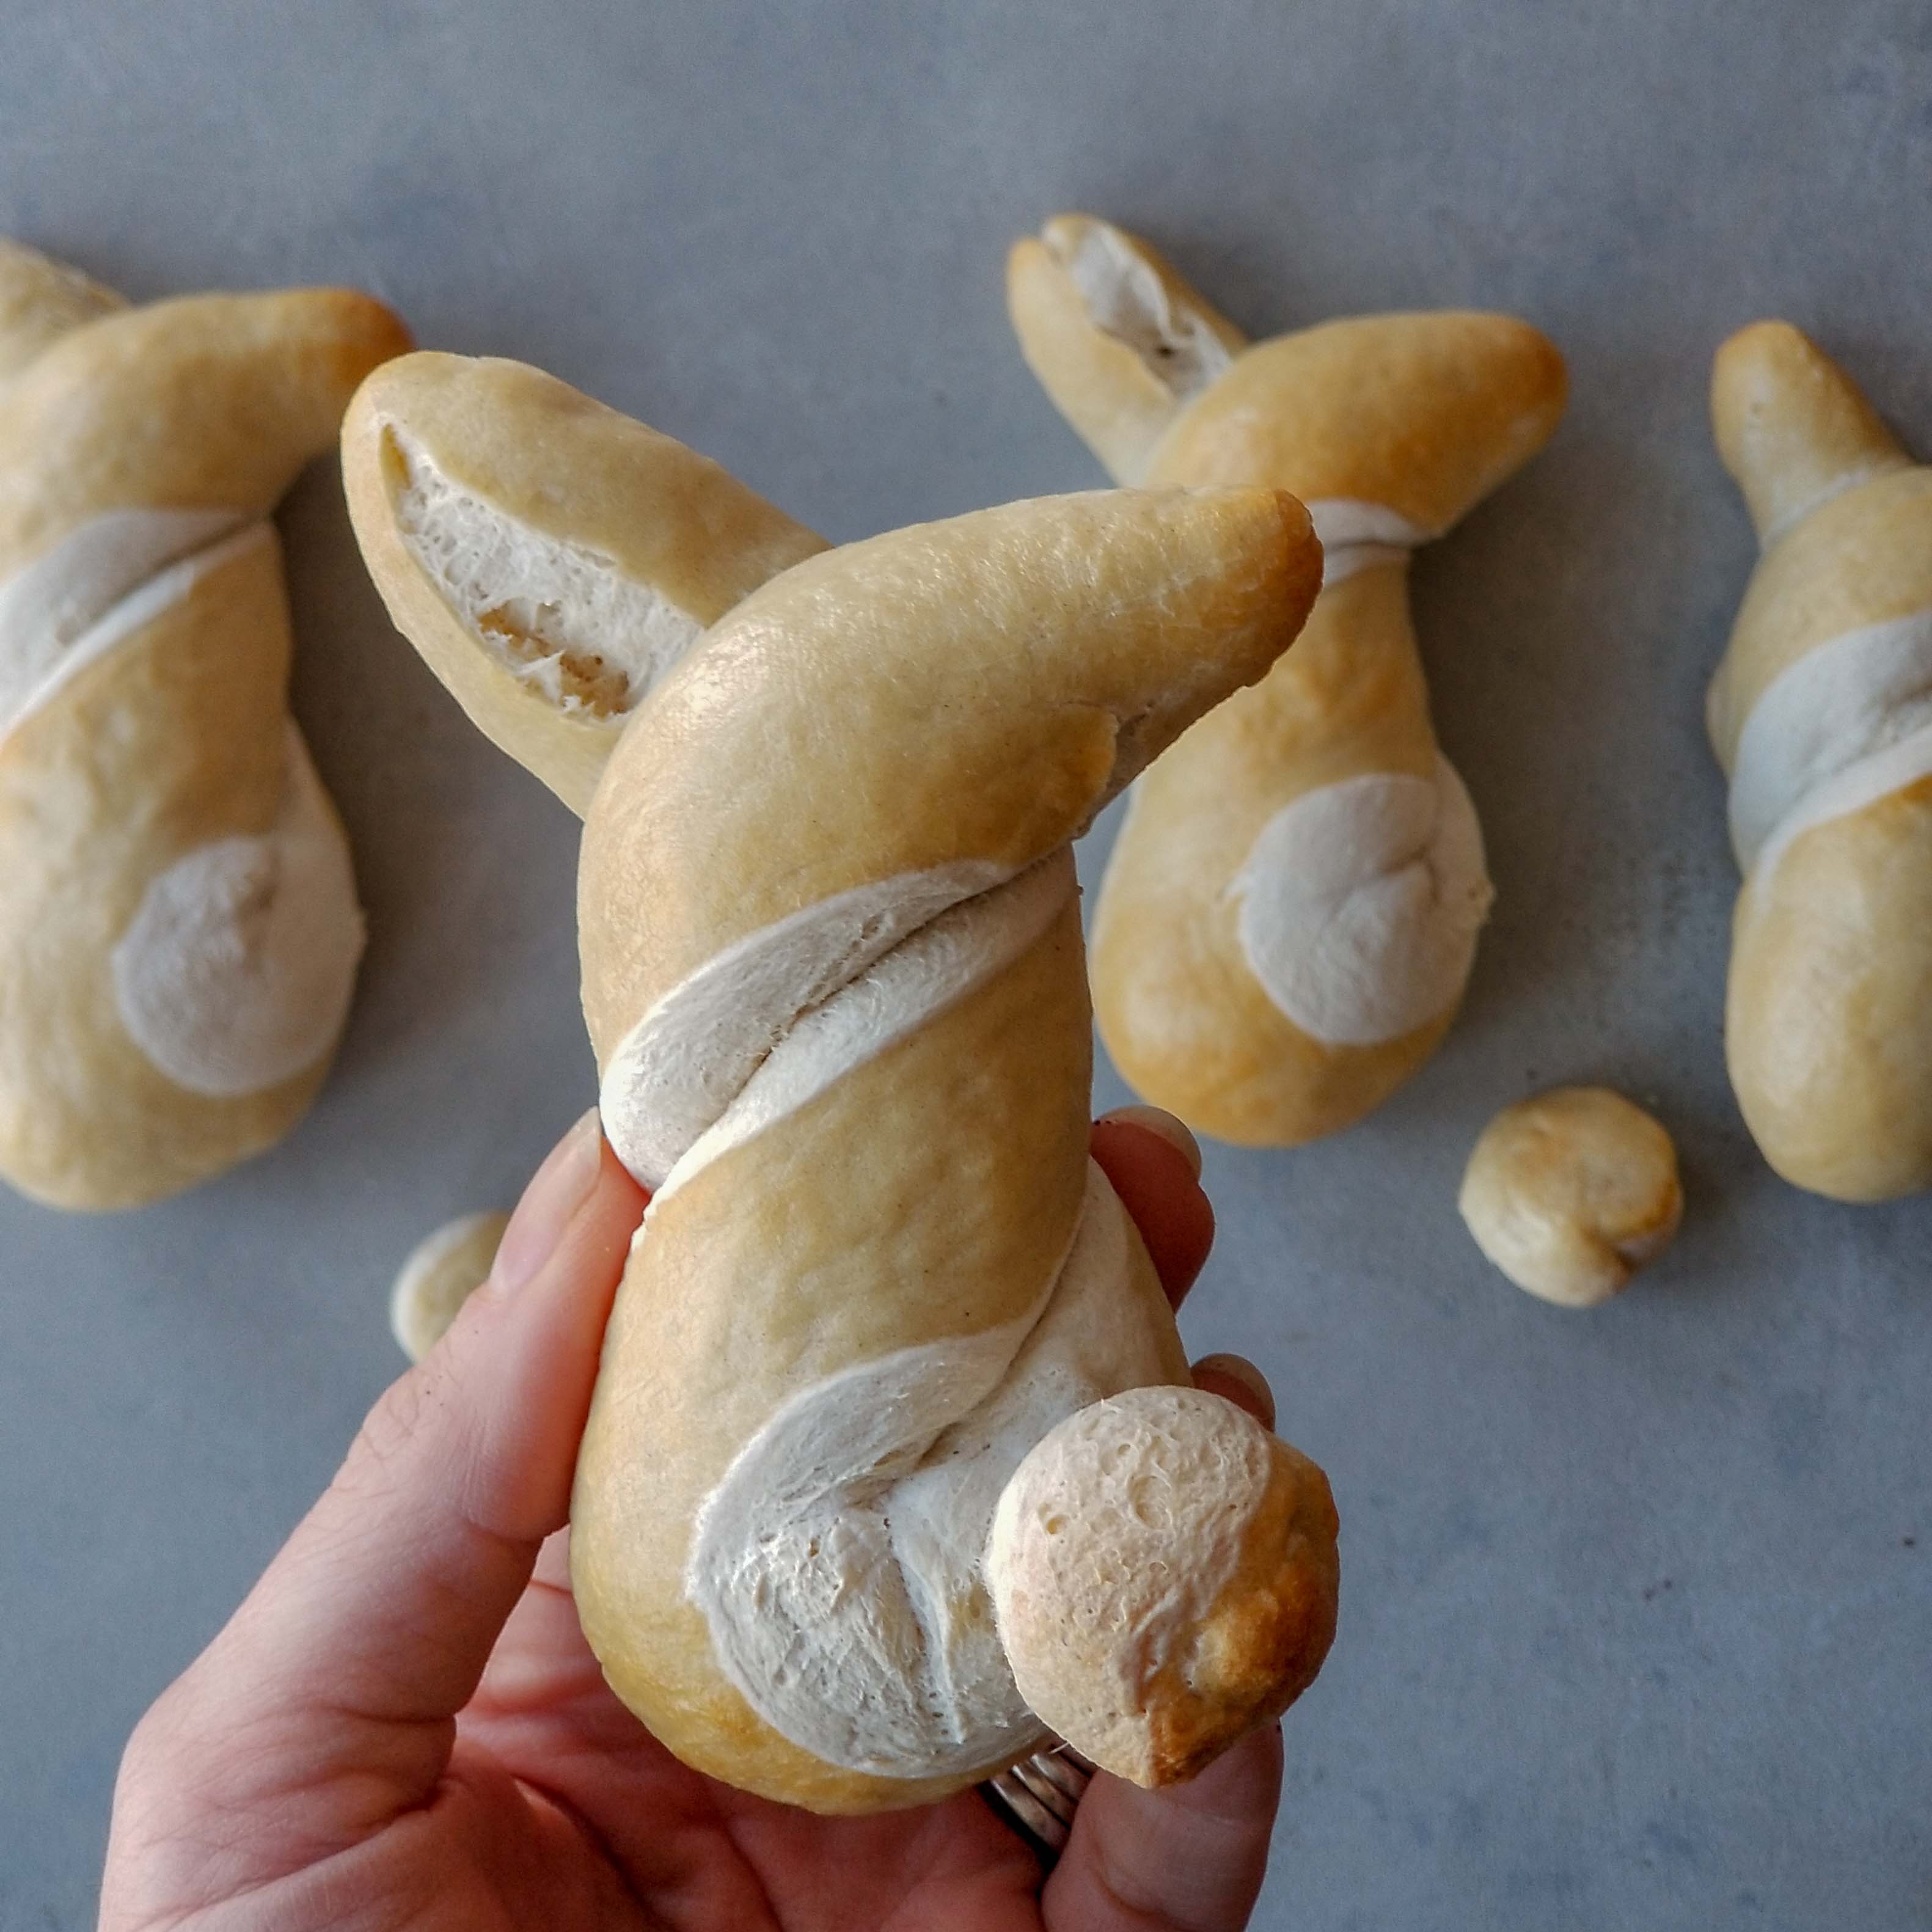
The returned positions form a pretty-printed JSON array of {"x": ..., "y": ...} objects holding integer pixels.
[
  {"x": 237, "y": 970},
  {"x": 1164, "y": 1571},
  {"x": 443, "y": 1271},
  {"x": 1571, "y": 1192},
  {"x": 1360, "y": 903}
]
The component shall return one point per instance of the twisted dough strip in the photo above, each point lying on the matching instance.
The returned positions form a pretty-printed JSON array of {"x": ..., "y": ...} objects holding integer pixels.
[
  {"x": 1291, "y": 912},
  {"x": 1821, "y": 715},
  {"x": 178, "y": 929},
  {"x": 833, "y": 975}
]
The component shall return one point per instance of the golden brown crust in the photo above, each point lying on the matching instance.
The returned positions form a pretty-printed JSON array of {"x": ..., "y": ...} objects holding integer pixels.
[
  {"x": 1792, "y": 428},
  {"x": 179, "y": 735},
  {"x": 175, "y": 739},
  {"x": 1571, "y": 1191},
  {"x": 1828, "y": 1011},
  {"x": 548, "y": 460},
  {"x": 1185, "y": 1020},
  {"x": 1426, "y": 413},
  {"x": 913, "y": 702},
  {"x": 1421, "y": 415},
  {"x": 1826, "y": 1030}
]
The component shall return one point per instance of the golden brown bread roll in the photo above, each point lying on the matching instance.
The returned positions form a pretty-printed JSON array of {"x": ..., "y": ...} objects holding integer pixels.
[
  {"x": 1571, "y": 1191},
  {"x": 178, "y": 928},
  {"x": 1821, "y": 715},
  {"x": 833, "y": 975},
  {"x": 1291, "y": 912}
]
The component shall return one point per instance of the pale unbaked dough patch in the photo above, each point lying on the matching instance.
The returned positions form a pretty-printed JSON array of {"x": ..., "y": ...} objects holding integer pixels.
[
  {"x": 838, "y": 1563},
  {"x": 1827, "y": 729},
  {"x": 1360, "y": 903},
  {"x": 559, "y": 616},
  {"x": 106, "y": 580},
  {"x": 236, "y": 971}
]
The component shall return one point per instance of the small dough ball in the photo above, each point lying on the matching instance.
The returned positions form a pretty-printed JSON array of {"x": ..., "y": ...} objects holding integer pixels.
[
  {"x": 442, "y": 1273},
  {"x": 1571, "y": 1192},
  {"x": 1165, "y": 1574}
]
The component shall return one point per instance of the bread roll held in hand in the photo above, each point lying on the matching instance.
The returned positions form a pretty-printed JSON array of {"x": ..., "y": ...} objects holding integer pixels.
[
  {"x": 178, "y": 928},
  {"x": 832, "y": 972},
  {"x": 1821, "y": 714},
  {"x": 1290, "y": 913}
]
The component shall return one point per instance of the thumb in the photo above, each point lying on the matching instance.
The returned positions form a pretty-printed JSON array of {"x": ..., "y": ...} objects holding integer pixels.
[
  {"x": 369, "y": 1631},
  {"x": 1190, "y": 1858}
]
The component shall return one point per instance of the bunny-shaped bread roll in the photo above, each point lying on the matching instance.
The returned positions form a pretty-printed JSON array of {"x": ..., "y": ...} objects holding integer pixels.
[
  {"x": 1821, "y": 715},
  {"x": 1291, "y": 912},
  {"x": 833, "y": 973},
  {"x": 178, "y": 928}
]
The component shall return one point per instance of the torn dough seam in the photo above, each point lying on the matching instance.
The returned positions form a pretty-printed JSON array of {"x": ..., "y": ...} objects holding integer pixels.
[{"x": 560, "y": 617}]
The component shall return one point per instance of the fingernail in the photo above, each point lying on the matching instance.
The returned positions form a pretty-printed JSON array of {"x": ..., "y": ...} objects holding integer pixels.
[
  {"x": 560, "y": 1187},
  {"x": 1159, "y": 1121},
  {"x": 1239, "y": 1368}
]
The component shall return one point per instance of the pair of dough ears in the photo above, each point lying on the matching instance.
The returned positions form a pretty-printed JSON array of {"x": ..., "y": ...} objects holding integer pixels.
[
  {"x": 1792, "y": 426},
  {"x": 550, "y": 559},
  {"x": 553, "y": 561},
  {"x": 1423, "y": 412},
  {"x": 201, "y": 402}
]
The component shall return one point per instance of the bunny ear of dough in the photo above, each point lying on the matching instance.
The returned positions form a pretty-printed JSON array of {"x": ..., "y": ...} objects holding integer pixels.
[
  {"x": 40, "y": 300},
  {"x": 1119, "y": 341},
  {"x": 205, "y": 402},
  {"x": 549, "y": 558},
  {"x": 1421, "y": 414},
  {"x": 964, "y": 693},
  {"x": 1793, "y": 429}
]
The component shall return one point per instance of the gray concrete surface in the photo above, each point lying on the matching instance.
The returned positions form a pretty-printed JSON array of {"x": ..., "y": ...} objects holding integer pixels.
[{"x": 1637, "y": 1604}]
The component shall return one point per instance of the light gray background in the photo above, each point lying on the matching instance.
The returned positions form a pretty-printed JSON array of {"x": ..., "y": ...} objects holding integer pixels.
[{"x": 1635, "y": 1628}]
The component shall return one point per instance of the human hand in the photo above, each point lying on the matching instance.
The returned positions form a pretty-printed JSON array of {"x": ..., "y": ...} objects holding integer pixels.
[{"x": 402, "y": 1727}]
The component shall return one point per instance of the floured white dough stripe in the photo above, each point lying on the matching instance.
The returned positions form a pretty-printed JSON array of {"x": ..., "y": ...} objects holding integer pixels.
[
  {"x": 838, "y": 1564},
  {"x": 560, "y": 617},
  {"x": 1357, "y": 536},
  {"x": 1859, "y": 700},
  {"x": 678, "y": 1069},
  {"x": 103, "y": 582},
  {"x": 913, "y": 983},
  {"x": 236, "y": 971},
  {"x": 1851, "y": 790},
  {"x": 1360, "y": 903},
  {"x": 1125, "y": 298}
]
